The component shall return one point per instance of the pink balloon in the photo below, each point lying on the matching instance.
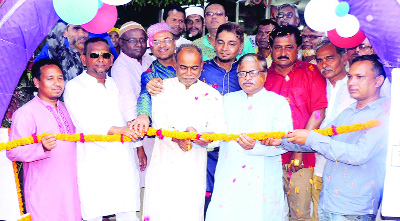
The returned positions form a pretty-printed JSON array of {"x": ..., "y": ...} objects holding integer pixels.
[
  {"x": 104, "y": 20},
  {"x": 341, "y": 42}
]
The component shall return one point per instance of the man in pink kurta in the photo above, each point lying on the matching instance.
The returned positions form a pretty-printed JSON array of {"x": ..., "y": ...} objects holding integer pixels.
[{"x": 50, "y": 176}]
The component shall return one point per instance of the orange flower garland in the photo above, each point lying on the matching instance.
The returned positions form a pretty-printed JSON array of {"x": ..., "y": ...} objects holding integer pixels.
[
  {"x": 21, "y": 204},
  {"x": 182, "y": 135}
]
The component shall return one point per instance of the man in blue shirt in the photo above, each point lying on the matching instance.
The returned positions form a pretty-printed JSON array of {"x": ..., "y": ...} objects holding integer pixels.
[{"x": 355, "y": 169}]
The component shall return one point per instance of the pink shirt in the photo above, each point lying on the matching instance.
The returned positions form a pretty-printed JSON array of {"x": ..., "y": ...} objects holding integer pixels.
[{"x": 50, "y": 177}]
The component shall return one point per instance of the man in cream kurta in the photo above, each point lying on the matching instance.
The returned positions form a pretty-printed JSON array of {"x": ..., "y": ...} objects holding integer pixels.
[
  {"x": 92, "y": 101},
  {"x": 176, "y": 177},
  {"x": 248, "y": 177}
]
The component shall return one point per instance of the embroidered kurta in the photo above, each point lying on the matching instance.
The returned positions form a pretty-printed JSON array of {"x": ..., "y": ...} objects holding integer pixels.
[
  {"x": 176, "y": 180},
  {"x": 107, "y": 175},
  {"x": 50, "y": 177},
  {"x": 248, "y": 183}
]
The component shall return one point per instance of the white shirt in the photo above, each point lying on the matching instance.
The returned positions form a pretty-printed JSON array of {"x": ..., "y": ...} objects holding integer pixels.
[
  {"x": 108, "y": 178},
  {"x": 338, "y": 100}
]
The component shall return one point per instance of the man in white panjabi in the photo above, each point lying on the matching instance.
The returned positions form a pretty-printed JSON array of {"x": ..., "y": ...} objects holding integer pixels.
[
  {"x": 93, "y": 103},
  {"x": 248, "y": 177},
  {"x": 176, "y": 176}
]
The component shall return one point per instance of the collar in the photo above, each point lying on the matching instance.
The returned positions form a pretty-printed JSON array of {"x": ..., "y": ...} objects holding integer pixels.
[
  {"x": 125, "y": 56},
  {"x": 373, "y": 105},
  {"x": 47, "y": 104},
  {"x": 170, "y": 68},
  {"x": 233, "y": 65},
  {"x": 206, "y": 42}
]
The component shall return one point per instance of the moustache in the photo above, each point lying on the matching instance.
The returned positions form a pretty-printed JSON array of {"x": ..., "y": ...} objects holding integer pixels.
[
  {"x": 283, "y": 56},
  {"x": 326, "y": 69},
  {"x": 248, "y": 82},
  {"x": 194, "y": 29}
]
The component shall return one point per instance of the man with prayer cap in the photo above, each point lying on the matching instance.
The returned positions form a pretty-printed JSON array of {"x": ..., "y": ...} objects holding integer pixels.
[
  {"x": 114, "y": 34},
  {"x": 126, "y": 72},
  {"x": 194, "y": 22}
]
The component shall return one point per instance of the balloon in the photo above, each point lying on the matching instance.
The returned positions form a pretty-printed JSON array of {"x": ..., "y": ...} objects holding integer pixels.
[
  {"x": 100, "y": 4},
  {"x": 342, "y": 9},
  {"x": 76, "y": 12},
  {"x": 104, "y": 20},
  {"x": 320, "y": 14},
  {"x": 116, "y": 2},
  {"x": 347, "y": 26},
  {"x": 341, "y": 42}
]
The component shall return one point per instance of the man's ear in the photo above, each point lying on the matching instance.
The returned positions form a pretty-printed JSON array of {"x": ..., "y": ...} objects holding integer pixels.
[
  {"x": 36, "y": 82},
  {"x": 83, "y": 59},
  {"x": 379, "y": 81},
  {"x": 241, "y": 48}
]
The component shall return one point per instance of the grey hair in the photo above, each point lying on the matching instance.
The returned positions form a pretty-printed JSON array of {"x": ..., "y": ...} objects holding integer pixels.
[
  {"x": 292, "y": 6},
  {"x": 325, "y": 42},
  {"x": 252, "y": 57},
  {"x": 192, "y": 46}
]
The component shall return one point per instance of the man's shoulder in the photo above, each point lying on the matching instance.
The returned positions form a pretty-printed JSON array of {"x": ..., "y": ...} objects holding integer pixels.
[{"x": 199, "y": 41}]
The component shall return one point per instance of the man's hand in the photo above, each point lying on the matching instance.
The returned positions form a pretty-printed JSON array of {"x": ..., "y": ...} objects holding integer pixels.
[
  {"x": 154, "y": 86},
  {"x": 142, "y": 158},
  {"x": 49, "y": 142},
  {"x": 185, "y": 145},
  {"x": 140, "y": 124},
  {"x": 125, "y": 131},
  {"x": 201, "y": 142},
  {"x": 296, "y": 162},
  {"x": 271, "y": 142},
  {"x": 298, "y": 136},
  {"x": 246, "y": 142}
]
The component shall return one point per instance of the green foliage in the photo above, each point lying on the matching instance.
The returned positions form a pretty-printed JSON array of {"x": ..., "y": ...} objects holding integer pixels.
[{"x": 162, "y": 3}]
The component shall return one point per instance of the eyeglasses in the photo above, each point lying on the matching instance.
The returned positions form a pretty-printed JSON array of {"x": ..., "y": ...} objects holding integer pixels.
[
  {"x": 165, "y": 41},
  {"x": 95, "y": 55},
  {"x": 362, "y": 47},
  {"x": 311, "y": 36},
  {"x": 253, "y": 73},
  {"x": 218, "y": 13},
  {"x": 134, "y": 40},
  {"x": 288, "y": 15}
]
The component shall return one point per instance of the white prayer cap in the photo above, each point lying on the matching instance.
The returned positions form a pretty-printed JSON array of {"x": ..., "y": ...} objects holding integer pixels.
[{"x": 194, "y": 10}]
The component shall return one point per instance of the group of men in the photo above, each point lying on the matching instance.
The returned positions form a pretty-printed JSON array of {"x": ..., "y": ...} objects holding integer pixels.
[{"x": 217, "y": 84}]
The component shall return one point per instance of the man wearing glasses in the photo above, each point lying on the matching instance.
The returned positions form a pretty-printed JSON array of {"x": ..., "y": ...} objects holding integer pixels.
[
  {"x": 92, "y": 99},
  {"x": 126, "y": 72},
  {"x": 288, "y": 15},
  {"x": 248, "y": 178},
  {"x": 311, "y": 39},
  {"x": 214, "y": 17}
]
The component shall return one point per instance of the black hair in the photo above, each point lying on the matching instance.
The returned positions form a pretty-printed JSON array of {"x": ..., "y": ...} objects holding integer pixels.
[
  {"x": 93, "y": 40},
  {"x": 377, "y": 66},
  {"x": 36, "y": 72},
  {"x": 214, "y": 3},
  {"x": 266, "y": 22},
  {"x": 282, "y": 31},
  {"x": 234, "y": 28},
  {"x": 171, "y": 8}
]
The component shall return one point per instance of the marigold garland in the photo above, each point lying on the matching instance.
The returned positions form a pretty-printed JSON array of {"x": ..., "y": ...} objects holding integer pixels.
[
  {"x": 20, "y": 202},
  {"x": 181, "y": 135}
]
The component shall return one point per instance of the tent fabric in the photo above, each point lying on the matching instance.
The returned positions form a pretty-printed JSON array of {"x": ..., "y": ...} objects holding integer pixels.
[{"x": 21, "y": 31}]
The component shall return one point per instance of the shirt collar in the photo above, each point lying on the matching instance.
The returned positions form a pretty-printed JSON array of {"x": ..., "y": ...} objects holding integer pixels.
[
  {"x": 373, "y": 105},
  {"x": 47, "y": 104},
  {"x": 206, "y": 42},
  {"x": 296, "y": 65}
]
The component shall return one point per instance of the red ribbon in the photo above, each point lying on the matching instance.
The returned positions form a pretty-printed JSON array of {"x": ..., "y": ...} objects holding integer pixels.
[
  {"x": 198, "y": 136},
  {"x": 82, "y": 138},
  {"x": 334, "y": 130},
  {"x": 159, "y": 134},
  {"x": 122, "y": 138},
  {"x": 35, "y": 140}
]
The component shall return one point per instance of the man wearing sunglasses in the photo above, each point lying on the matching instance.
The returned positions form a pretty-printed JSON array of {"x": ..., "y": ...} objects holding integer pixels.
[
  {"x": 288, "y": 15},
  {"x": 215, "y": 16},
  {"x": 93, "y": 101},
  {"x": 248, "y": 178}
]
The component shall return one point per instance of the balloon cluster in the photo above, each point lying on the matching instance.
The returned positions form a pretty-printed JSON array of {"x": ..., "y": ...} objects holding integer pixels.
[
  {"x": 96, "y": 16},
  {"x": 333, "y": 17}
]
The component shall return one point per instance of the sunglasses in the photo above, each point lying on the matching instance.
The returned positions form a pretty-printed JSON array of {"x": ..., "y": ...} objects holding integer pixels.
[{"x": 95, "y": 55}]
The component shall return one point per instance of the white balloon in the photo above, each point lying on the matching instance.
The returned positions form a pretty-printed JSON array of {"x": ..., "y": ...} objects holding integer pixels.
[
  {"x": 320, "y": 15},
  {"x": 347, "y": 26},
  {"x": 116, "y": 2}
]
